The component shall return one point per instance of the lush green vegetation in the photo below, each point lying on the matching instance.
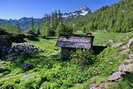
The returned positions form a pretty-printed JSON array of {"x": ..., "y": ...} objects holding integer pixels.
[
  {"x": 50, "y": 72},
  {"x": 10, "y": 28}
]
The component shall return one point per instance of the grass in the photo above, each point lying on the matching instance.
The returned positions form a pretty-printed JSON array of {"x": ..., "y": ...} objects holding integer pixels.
[
  {"x": 103, "y": 38},
  {"x": 52, "y": 73}
]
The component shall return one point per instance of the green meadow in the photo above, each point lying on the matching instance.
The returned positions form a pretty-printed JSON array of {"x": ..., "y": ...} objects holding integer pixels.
[{"x": 50, "y": 72}]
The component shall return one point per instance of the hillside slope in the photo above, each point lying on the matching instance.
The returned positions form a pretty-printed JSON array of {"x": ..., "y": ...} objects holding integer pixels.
[
  {"x": 49, "y": 72},
  {"x": 115, "y": 18}
]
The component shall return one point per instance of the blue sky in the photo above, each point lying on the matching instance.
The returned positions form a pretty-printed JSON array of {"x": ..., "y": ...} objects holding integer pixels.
[{"x": 16, "y": 9}]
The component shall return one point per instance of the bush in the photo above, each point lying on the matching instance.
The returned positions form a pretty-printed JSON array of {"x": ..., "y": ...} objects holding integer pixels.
[
  {"x": 82, "y": 57},
  {"x": 131, "y": 48}
]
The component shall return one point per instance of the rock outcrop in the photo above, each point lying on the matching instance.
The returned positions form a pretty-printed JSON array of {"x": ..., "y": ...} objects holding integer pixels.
[
  {"x": 116, "y": 76},
  {"x": 17, "y": 51},
  {"x": 117, "y": 45},
  {"x": 130, "y": 42}
]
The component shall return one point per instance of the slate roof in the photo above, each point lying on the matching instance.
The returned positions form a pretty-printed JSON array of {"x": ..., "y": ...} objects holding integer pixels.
[{"x": 75, "y": 41}]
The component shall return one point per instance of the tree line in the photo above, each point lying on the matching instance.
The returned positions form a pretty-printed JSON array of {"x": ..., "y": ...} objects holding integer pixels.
[{"x": 51, "y": 25}]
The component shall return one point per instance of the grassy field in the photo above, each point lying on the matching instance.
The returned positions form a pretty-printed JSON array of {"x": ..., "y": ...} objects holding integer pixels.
[
  {"x": 103, "y": 38},
  {"x": 52, "y": 73}
]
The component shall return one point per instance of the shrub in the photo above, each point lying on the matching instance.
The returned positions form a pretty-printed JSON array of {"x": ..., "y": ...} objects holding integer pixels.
[
  {"x": 131, "y": 48},
  {"x": 82, "y": 57}
]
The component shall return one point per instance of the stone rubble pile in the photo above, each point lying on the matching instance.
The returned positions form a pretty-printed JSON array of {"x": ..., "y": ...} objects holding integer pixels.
[{"x": 16, "y": 51}]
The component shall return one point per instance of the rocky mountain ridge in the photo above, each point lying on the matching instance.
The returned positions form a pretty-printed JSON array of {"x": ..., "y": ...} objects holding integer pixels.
[
  {"x": 82, "y": 12},
  {"x": 25, "y": 21}
]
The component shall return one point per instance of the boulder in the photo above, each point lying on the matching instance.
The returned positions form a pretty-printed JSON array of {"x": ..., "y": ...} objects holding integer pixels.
[
  {"x": 130, "y": 55},
  {"x": 126, "y": 68},
  {"x": 28, "y": 76},
  {"x": 130, "y": 42},
  {"x": 103, "y": 85},
  {"x": 122, "y": 68},
  {"x": 124, "y": 47},
  {"x": 92, "y": 85},
  {"x": 110, "y": 41},
  {"x": 117, "y": 45},
  {"x": 116, "y": 76},
  {"x": 22, "y": 50},
  {"x": 126, "y": 51},
  {"x": 129, "y": 61}
]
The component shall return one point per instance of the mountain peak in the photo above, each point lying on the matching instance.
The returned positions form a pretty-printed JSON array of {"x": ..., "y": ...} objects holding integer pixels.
[
  {"x": 84, "y": 8},
  {"x": 81, "y": 12}
]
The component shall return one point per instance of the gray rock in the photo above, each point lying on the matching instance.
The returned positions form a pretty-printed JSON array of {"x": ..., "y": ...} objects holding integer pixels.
[
  {"x": 28, "y": 76},
  {"x": 92, "y": 85},
  {"x": 116, "y": 76},
  {"x": 130, "y": 55},
  {"x": 117, "y": 45},
  {"x": 129, "y": 61},
  {"x": 18, "y": 51},
  {"x": 110, "y": 41},
  {"x": 122, "y": 68},
  {"x": 124, "y": 47},
  {"x": 103, "y": 85},
  {"x": 130, "y": 42},
  {"x": 126, "y": 68},
  {"x": 126, "y": 51}
]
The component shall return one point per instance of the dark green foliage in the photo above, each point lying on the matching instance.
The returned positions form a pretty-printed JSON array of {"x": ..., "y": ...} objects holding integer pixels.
[
  {"x": 3, "y": 32},
  {"x": 32, "y": 25},
  {"x": 83, "y": 57},
  {"x": 63, "y": 29},
  {"x": 131, "y": 48},
  {"x": 18, "y": 26},
  {"x": 14, "y": 37},
  {"x": 10, "y": 28},
  {"x": 18, "y": 38},
  {"x": 45, "y": 28},
  {"x": 38, "y": 32},
  {"x": 50, "y": 24}
]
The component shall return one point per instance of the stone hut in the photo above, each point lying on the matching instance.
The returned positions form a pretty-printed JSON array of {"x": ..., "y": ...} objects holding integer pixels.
[{"x": 70, "y": 43}]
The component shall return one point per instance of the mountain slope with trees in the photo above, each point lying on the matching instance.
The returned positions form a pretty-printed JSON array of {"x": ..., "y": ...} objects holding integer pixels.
[{"x": 115, "y": 18}]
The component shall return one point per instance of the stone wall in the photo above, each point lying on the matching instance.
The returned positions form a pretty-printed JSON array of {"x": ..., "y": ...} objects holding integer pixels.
[{"x": 5, "y": 41}]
